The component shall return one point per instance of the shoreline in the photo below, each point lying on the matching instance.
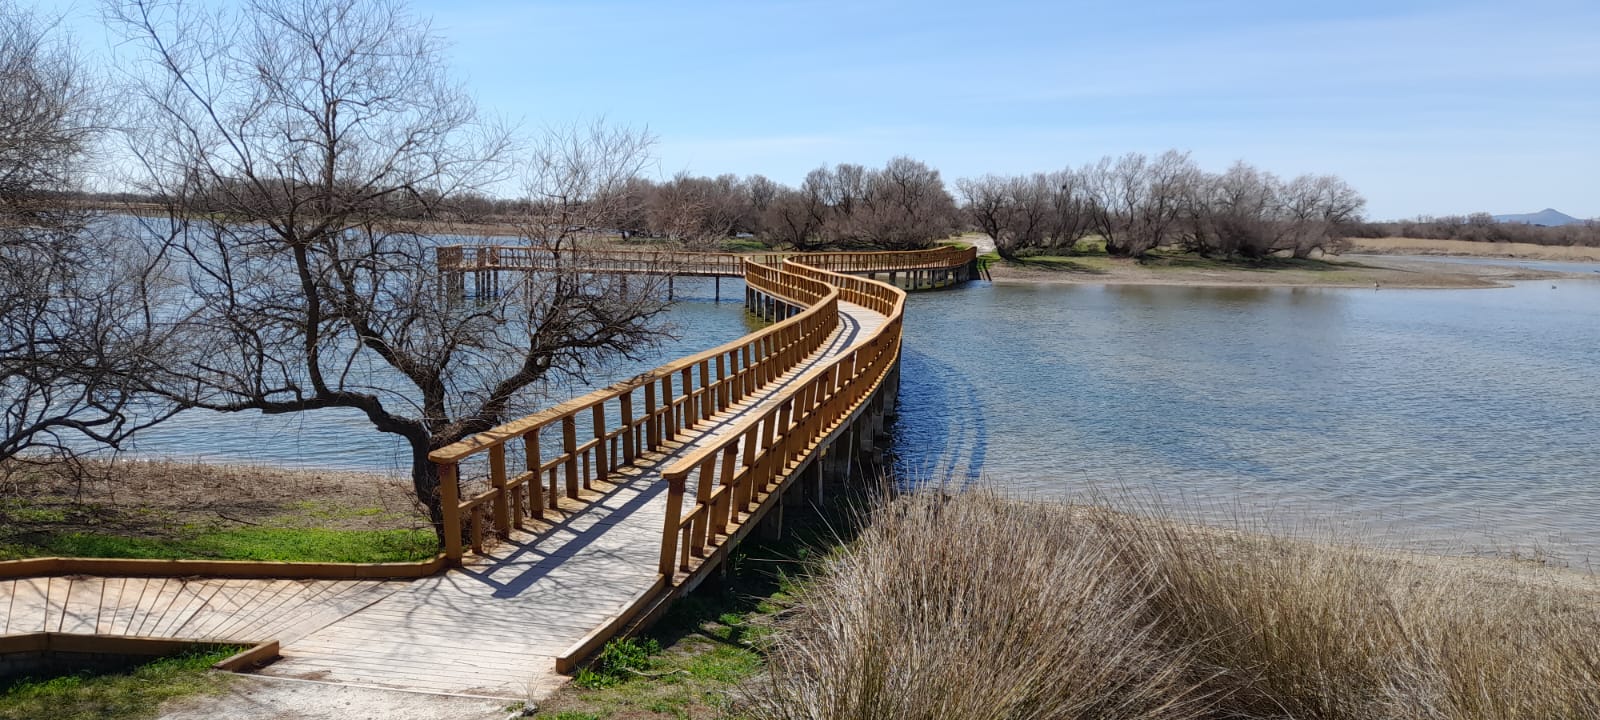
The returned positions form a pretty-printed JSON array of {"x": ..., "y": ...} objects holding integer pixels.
[{"x": 1367, "y": 271}]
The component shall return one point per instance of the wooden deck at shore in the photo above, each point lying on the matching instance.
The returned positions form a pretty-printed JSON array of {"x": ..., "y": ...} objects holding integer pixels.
[{"x": 493, "y": 627}]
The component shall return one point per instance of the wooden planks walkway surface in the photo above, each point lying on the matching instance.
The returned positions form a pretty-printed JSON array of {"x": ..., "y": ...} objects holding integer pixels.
[{"x": 493, "y": 627}]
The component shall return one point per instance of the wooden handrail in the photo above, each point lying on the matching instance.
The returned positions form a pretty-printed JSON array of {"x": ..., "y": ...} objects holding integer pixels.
[
  {"x": 676, "y": 397},
  {"x": 624, "y": 421},
  {"x": 739, "y": 472},
  {"x": 460, "y": 258}
]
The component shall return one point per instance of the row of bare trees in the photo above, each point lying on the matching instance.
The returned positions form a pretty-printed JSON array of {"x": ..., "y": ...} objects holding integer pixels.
[
  {"x": 902, "y": 205},
  {"x": 1136, "y": 203}
]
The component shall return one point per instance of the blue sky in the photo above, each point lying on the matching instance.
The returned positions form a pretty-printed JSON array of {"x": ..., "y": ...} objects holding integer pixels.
[{"x": 1426, "y": 107}]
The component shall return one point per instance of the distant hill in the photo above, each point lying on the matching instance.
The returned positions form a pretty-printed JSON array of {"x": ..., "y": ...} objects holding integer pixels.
[{"x": 1549, "y": 217}]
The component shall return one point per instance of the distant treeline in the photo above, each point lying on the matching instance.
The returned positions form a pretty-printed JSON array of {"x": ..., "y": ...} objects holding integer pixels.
[
  {"x": 1133, "y": 203},
  {"x": 1481, "y": 227}
]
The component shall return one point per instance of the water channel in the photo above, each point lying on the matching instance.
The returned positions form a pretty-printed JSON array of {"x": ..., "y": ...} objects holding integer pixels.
[{"x": 1448, "y": 420}]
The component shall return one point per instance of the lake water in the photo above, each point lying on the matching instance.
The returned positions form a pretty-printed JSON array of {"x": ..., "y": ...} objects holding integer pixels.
[
  {"x": 343, "y": 439},
  {"x": 1438, "y": 419},
  {"x": 1450, "y": 420}
]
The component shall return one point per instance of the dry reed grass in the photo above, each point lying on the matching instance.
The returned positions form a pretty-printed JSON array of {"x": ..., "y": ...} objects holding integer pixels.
[{"x": 977, "y": 606}]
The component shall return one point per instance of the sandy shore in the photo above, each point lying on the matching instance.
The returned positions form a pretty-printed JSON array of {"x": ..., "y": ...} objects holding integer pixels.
[
  {"x": 1364, "y": 272},
  {"x": 1463, "y": 248}
]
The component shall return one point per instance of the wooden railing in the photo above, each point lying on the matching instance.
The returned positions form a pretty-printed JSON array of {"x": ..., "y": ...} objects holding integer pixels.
[
  {"x": 562, "y": 451},
  {"x": 468, "y": 258},
  {"x": 887, "y": 260},
  {"x": 612, "y": 427},
  {"x": 735, "y": 475}
]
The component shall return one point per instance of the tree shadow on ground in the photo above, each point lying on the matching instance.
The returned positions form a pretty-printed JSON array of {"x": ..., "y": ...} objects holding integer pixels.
[
  {"x": 1268, "y": 264},
  {"x": 1056, "y": 263}
]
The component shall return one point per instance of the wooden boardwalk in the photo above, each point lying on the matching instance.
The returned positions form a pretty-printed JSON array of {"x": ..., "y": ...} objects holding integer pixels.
[{"x": 493, "y": 627}]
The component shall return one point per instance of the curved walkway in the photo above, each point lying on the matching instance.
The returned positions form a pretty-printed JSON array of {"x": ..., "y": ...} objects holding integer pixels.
[{"x": 493, "y": 627}]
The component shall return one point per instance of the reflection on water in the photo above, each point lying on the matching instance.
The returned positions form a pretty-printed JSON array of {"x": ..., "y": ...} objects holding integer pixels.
[{"x": 1449, "y": 420}]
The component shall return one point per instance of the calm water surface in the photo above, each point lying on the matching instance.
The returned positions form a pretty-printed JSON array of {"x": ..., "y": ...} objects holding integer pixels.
[
  {"x": 344, "y": 439},
  {"x": 1448, "y": 420},
  {"x": 1452, "y": 420}
]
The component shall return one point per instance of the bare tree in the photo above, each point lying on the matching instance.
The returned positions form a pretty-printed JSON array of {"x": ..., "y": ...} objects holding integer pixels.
[
  {"x": 1232, "y": 213},
  {"x": 1315, "y": 207},
  {"x": 578, "y": 180},
  {"x": 74, "y": 328},
  {"x": 795, "y": 218},
  {"x": 287, "y": 137},
  {"x": 1030, "y": 212},
  {"x": 905, "y": 206},
  {"x": 984, "y": 201},
  {"x": 1138, "y": 201},
  {"x": 1070, "y": 219},
  {"x": 696, "y": 211}
]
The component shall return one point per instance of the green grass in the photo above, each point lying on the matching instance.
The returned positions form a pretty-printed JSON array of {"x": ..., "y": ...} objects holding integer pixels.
[
  {"x": 617, "y": 662},
  {"x": 269, "y": 544},
  {"x": 743, "y": 245},
  {"x": 130, "y": 695}
]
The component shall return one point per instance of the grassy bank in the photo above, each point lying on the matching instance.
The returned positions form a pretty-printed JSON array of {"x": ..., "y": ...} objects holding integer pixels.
[
  {"x": 129, "y": 695},
  {"x": 975, "y": 606},
  {"x": 165, "y": 510}
]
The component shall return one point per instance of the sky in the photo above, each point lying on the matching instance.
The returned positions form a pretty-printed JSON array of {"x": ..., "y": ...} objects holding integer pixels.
[{"x": 1428, "y": 108}]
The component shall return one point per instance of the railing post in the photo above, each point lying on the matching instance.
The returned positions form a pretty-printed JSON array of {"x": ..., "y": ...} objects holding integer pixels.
[
  {"x": 569, "y": 446},
  {"x": 535, "y": 482},
  {"x": 497, "y": 478},
  {"x": 722, "y": 382},
  {"x": 602, "y": 453},
  {"x": 669, "y": 409},
  {"x": 652, "y": 432},
  {"x": 450, "y": 510},
  {"x": 708, "y": 397},
  {"x": 669, "y": 533},
  {"x": 688, "y": 405},
  {"x": 629, "y": 451},
  {"x": 702, "y": 497}
]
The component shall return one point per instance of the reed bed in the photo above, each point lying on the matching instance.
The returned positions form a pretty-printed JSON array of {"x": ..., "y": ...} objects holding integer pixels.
[{"x": 977, "y": 606}]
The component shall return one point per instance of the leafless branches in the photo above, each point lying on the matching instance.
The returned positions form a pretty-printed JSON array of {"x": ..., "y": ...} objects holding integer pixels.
[
  {"x": 581, "y": 178},
  {"x": 74, "y": 322},
  {"x": 296, "y": 144},
  {"x": 1136, "y": 204}
]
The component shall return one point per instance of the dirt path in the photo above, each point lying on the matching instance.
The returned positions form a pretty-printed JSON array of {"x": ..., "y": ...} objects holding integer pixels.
[{"x": 249, "y": 697}]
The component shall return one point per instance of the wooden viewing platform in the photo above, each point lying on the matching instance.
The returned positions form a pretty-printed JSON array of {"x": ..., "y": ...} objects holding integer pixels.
[{"x": 606, "y": 508}]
